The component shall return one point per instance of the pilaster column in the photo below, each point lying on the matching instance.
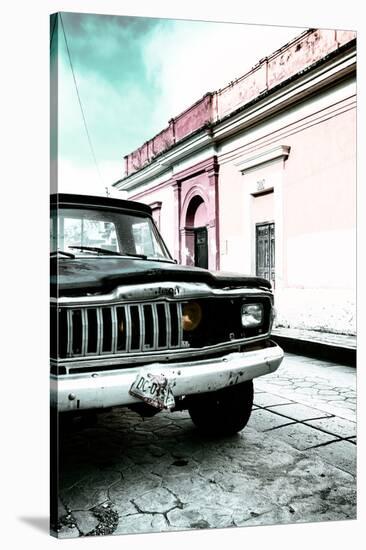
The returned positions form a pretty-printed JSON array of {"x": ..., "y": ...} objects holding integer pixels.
[
  {"x": 177, "y": 221},
  {"x": 213, "y": 216}
]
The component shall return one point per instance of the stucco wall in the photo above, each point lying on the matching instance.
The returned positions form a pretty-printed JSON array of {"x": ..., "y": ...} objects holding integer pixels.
[
  {"x": 320, "y": 204},
  {"x": 314, "y": 209},
  {"x": 234, "y": 214},
  {"x": 320, "y": 228}
]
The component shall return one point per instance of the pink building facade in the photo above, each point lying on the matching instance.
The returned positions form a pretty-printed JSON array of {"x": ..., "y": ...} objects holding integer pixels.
[{"x": 260, "y": 177}]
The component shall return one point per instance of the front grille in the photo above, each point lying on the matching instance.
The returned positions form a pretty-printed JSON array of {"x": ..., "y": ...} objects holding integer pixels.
[
  {"x": 147, "y": 327},
  {"x": 92, "y": 331}
]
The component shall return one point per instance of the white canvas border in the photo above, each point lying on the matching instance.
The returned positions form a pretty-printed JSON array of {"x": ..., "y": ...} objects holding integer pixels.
[{"x": 24, "y": 122}]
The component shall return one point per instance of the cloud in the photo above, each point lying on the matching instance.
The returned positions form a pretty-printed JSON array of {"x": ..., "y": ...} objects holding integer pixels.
[
  {"x": 134, "y": 74},
  {"x": 117, "y": 98},
  {"x": 84, "y": 179},
  {"x": 188, "y": 59}
]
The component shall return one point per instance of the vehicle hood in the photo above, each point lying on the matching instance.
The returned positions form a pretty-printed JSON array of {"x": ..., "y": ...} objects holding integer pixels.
[{"x": 76, "y": 277}]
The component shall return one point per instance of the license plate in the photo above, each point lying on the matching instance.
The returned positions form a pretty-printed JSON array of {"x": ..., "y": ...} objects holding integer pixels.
[{"x": 154, "y": 390}]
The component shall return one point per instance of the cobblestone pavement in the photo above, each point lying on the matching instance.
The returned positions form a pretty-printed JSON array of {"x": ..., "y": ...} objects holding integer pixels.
[{"x": 294, "y": 462}]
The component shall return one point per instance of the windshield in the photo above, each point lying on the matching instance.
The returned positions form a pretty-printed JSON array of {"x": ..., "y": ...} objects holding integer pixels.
[{"x": 91, "y": 232}]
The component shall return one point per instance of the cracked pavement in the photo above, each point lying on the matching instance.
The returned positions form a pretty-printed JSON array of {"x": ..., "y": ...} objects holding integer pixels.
[{"x": 294, "y": 462}]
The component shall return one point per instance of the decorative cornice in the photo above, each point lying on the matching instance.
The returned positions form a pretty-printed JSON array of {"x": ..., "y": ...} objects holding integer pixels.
[
  {"x": 166, "y": 161},
  {"x": 155, "y": 205},
  {"x": 275, "y": 153},
  {"x": 315, "y": 78}
]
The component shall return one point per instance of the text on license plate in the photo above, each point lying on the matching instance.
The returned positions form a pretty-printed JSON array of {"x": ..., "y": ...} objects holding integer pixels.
[{"x": 153, "y": 389}]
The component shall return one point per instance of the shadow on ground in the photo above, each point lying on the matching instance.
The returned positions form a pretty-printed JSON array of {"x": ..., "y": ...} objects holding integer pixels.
[{"x": 40, "y": 523}]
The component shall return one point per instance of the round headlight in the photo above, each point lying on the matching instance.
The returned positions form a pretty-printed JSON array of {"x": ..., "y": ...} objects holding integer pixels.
[
  {"x": 191, "y": 316},
  {"x": 251, "y": 315}
]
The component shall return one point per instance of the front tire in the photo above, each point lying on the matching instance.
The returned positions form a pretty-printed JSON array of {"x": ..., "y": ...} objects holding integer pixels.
[{"x": 224, "y": 412}]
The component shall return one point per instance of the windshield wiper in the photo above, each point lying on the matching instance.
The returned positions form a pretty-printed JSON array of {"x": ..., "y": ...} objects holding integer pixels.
[
  {"x": 96, "y": 249},
  {"x": 164, "y": 260},
  {"x": 152, "y": 258},
  {"x": 68, "y": 254},
  {"x": 114, "y": 253},
  {"x": 142, "y": 256}
]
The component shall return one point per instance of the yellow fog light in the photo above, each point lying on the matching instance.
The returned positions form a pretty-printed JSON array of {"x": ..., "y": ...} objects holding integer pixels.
[{"x": 191, "y": 316}]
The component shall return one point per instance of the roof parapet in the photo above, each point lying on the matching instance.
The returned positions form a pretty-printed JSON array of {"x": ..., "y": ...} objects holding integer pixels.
[{"x": 295, "y": 56}]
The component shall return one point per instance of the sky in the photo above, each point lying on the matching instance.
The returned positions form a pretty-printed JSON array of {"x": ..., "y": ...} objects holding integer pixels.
[{"x": 131, "y": 75}]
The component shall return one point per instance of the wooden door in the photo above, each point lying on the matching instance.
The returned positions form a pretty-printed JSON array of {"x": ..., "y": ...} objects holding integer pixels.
[
  {"x": 200, "y": 247},
  {"x": 265, "y": 251}
]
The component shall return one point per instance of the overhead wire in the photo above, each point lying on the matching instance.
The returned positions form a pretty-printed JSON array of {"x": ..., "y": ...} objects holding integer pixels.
[{"x": 80, "y": 103}]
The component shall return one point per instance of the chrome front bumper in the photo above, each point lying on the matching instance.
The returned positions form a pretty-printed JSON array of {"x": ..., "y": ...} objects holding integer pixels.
[{"x": 95, "y": 390}]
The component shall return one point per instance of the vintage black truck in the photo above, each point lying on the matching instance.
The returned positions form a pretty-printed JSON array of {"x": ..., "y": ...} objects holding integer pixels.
[{"x": 129, "y": 326}]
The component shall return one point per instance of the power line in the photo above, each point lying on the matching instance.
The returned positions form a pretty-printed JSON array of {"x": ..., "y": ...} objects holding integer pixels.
[{"x": 79, "y": 98}]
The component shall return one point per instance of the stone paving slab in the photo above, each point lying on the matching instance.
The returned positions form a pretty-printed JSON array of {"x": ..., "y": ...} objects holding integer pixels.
[
  {"x": 296, "y": 411},
  {"x": 69, "y": 532},
  {"x": 342, "y": 454},
  {"x": 137, "y": 523},
  {"x": 263, "y": 420},
  {"x": 302, "y": 437},
  {"x": 268, "y": 399},
  {"x": 86, "y": 521},
  {"x": 340, "y": 409},
  {"x": 335, "y": 425}
]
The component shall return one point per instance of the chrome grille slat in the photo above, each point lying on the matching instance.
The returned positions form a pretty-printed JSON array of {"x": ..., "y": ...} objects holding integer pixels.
[
  {"x": 168, "y": 326},
  {"x": 155, "y": 324},
  {"x": 100, "y": 331},
  {"x": 114, "y": 329},
  {"x": 142, "y": 326},
  {"x": 69, "y": 333},
  {"x": 175, "y": 321},
  {"x": 128, "y": 328},
  {"x": 180, "y": 328},
  {"x": 163, "y": 323},
  {"x": 84, "y": 324}
]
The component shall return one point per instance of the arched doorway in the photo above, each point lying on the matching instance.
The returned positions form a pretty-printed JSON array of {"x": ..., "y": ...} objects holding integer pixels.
[{"x": 196, "y": 232}]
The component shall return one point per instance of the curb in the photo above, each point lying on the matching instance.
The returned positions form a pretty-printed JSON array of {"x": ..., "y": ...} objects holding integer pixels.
[{"x": 318, "y": 350}]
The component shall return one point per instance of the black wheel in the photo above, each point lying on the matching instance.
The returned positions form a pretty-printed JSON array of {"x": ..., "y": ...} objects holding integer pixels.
[{"x": 224, "y": 412}]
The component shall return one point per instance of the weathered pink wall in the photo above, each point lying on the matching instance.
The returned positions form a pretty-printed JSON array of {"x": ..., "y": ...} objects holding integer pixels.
[
  {"x": 320, "y": 203},
  {"x": 200, "y": 215},
  {"x": 241, "y": 91},
  {"x": 310, "y": 47},
  {"x": 320, "y": 177},
  {"x": 193, "y": 118},
  {"x": 189, "y": 200},
  {"x": 300, "y": 54},
  {"x": 263, "y": 208}
]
